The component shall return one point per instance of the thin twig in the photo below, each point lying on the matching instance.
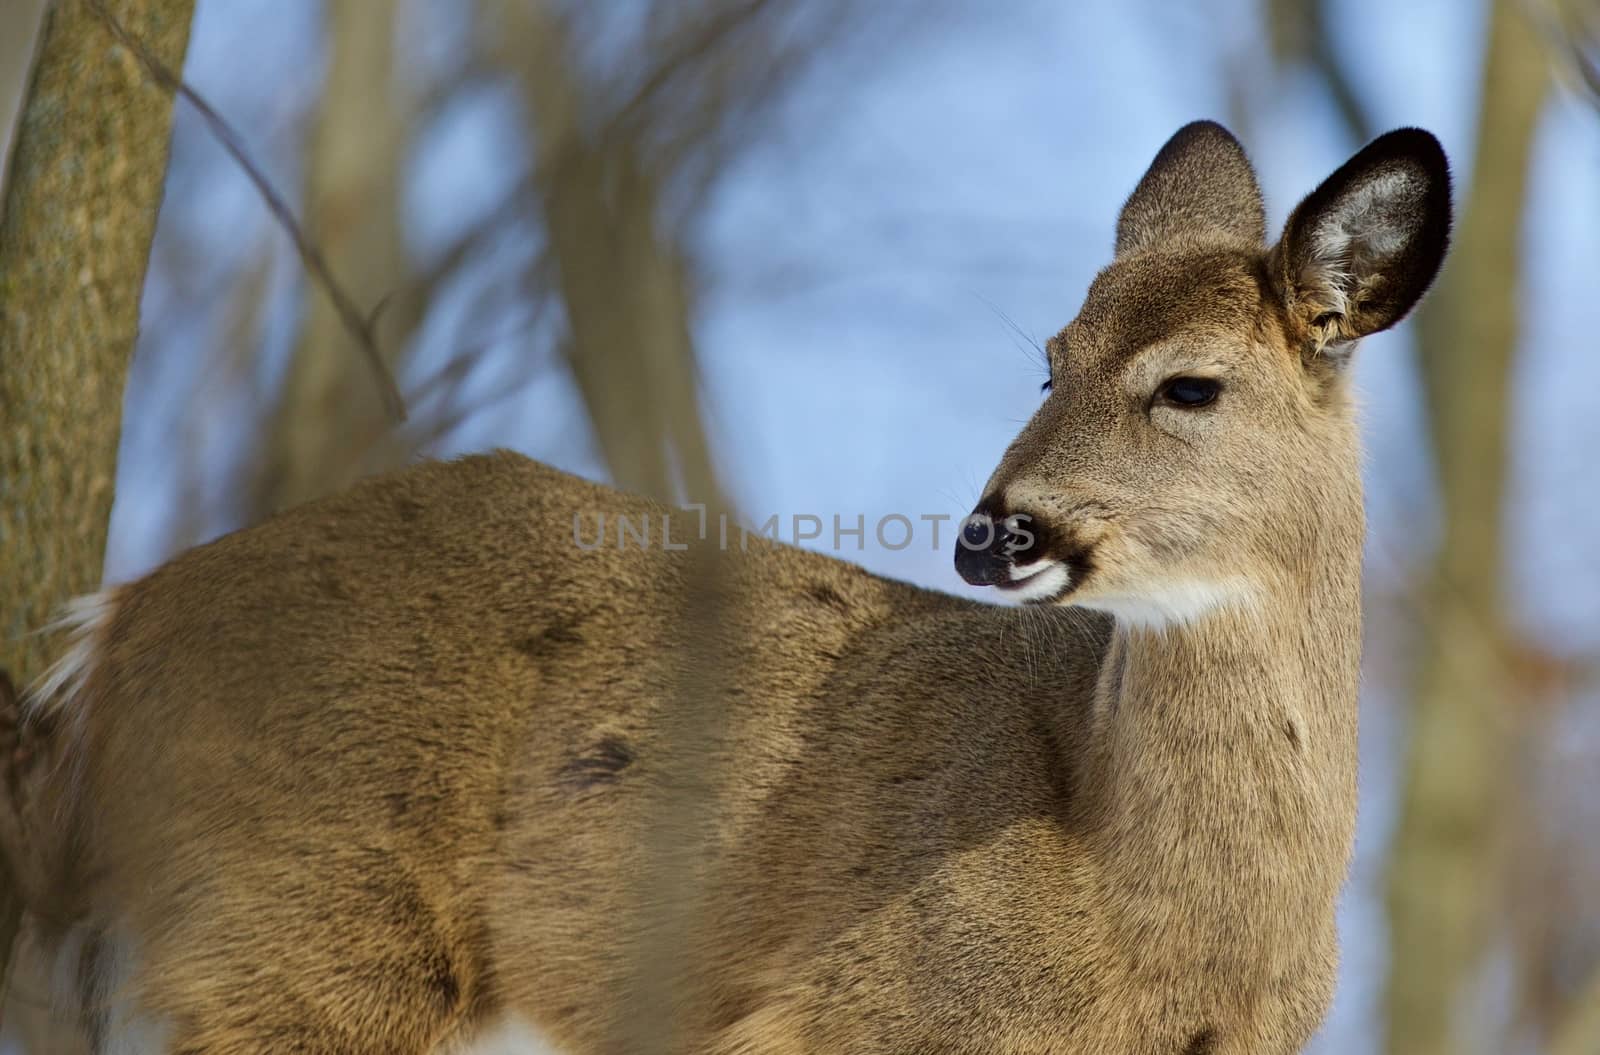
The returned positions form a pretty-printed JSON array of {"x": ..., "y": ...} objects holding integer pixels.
[
  {"x": 705, "y": 39},
  {"x": 360, "y": 326}
]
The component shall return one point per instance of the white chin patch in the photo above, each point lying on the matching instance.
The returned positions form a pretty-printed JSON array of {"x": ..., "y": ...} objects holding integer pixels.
[
  {"x": 1036, "y": 581},
  {"x": 1175, "y": 603}
]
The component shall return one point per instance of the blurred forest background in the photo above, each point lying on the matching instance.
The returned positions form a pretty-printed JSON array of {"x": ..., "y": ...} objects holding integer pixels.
[{"x": 764, "y": 248}]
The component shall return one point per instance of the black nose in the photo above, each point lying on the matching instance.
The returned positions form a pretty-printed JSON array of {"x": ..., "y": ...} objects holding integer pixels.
[{"x": 983, "y": 552}]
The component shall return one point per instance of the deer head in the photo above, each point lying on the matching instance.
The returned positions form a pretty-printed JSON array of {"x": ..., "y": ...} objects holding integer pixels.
[{"x": 1197, "y": 444}]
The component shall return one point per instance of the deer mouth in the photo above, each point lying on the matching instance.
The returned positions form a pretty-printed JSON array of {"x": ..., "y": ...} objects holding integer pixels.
[{"x": 1017, "y": 554}]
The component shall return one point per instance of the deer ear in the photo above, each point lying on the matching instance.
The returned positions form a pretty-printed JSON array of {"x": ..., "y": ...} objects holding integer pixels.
[
  {"x": 1200, "y": 183},
  {"x": 1361, "y": 250}
]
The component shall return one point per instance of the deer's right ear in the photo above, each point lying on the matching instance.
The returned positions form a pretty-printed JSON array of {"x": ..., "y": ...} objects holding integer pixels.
[{"x": 1361, "y": 250}]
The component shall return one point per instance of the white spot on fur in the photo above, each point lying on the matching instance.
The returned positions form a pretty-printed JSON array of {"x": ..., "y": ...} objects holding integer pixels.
[
  {"x": 84, "y": 619},
  {"x": 129, "y": 1030},
  {"x": 1177, "y": 603},
  {"x": 125, "y": 1027},
  {"x": 511, "y": 1037},
  {"x": 1046, "y": 579}
]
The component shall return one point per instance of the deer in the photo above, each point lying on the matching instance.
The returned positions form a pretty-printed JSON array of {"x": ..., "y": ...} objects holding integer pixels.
[{"x": 388, "y": 770}]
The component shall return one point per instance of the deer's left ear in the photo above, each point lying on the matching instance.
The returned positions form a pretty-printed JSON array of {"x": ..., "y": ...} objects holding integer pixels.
[
  {"x": 1200, "y": 183},
  {"x": 1361, "y": 250}
]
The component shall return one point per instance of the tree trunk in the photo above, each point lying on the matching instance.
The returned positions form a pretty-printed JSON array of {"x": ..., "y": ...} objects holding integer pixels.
[
  {"x": 330, "y": 406},
  {"x": 623, "y": 280},
  {"x": 1445, "y": 860},
  {"x": 85, "y": 185}
]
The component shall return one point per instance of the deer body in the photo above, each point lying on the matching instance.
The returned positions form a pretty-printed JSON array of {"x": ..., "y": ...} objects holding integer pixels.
[{"x": 392, "y": 766}]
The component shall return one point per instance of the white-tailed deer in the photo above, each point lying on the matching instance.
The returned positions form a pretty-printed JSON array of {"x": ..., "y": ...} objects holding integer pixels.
[{"x": 385, "y": 769}]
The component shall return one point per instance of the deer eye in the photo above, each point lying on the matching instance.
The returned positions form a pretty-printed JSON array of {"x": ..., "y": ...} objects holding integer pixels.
[{"x": 1189, "y": 392}]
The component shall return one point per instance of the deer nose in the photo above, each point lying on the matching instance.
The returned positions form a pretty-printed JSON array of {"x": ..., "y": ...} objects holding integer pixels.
[{"x": 983, "y": 553}]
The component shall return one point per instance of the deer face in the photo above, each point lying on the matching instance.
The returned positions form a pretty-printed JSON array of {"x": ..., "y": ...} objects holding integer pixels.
[{"x": 1197, "y": 432}]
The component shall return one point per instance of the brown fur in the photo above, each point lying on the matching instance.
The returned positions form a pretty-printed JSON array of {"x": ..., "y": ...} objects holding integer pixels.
[{"x": 386, "y": 767}]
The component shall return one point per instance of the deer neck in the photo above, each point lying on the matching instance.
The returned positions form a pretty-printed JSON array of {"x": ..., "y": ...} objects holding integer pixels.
[{"x": 1222, "y": 780}]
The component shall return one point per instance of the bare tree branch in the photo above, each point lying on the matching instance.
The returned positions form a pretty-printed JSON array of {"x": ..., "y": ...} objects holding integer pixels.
[
  {"x": 1300, "y": 31},
  {"x": 1570, "y": 31},
  {"x": 360, "y": 325}
]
